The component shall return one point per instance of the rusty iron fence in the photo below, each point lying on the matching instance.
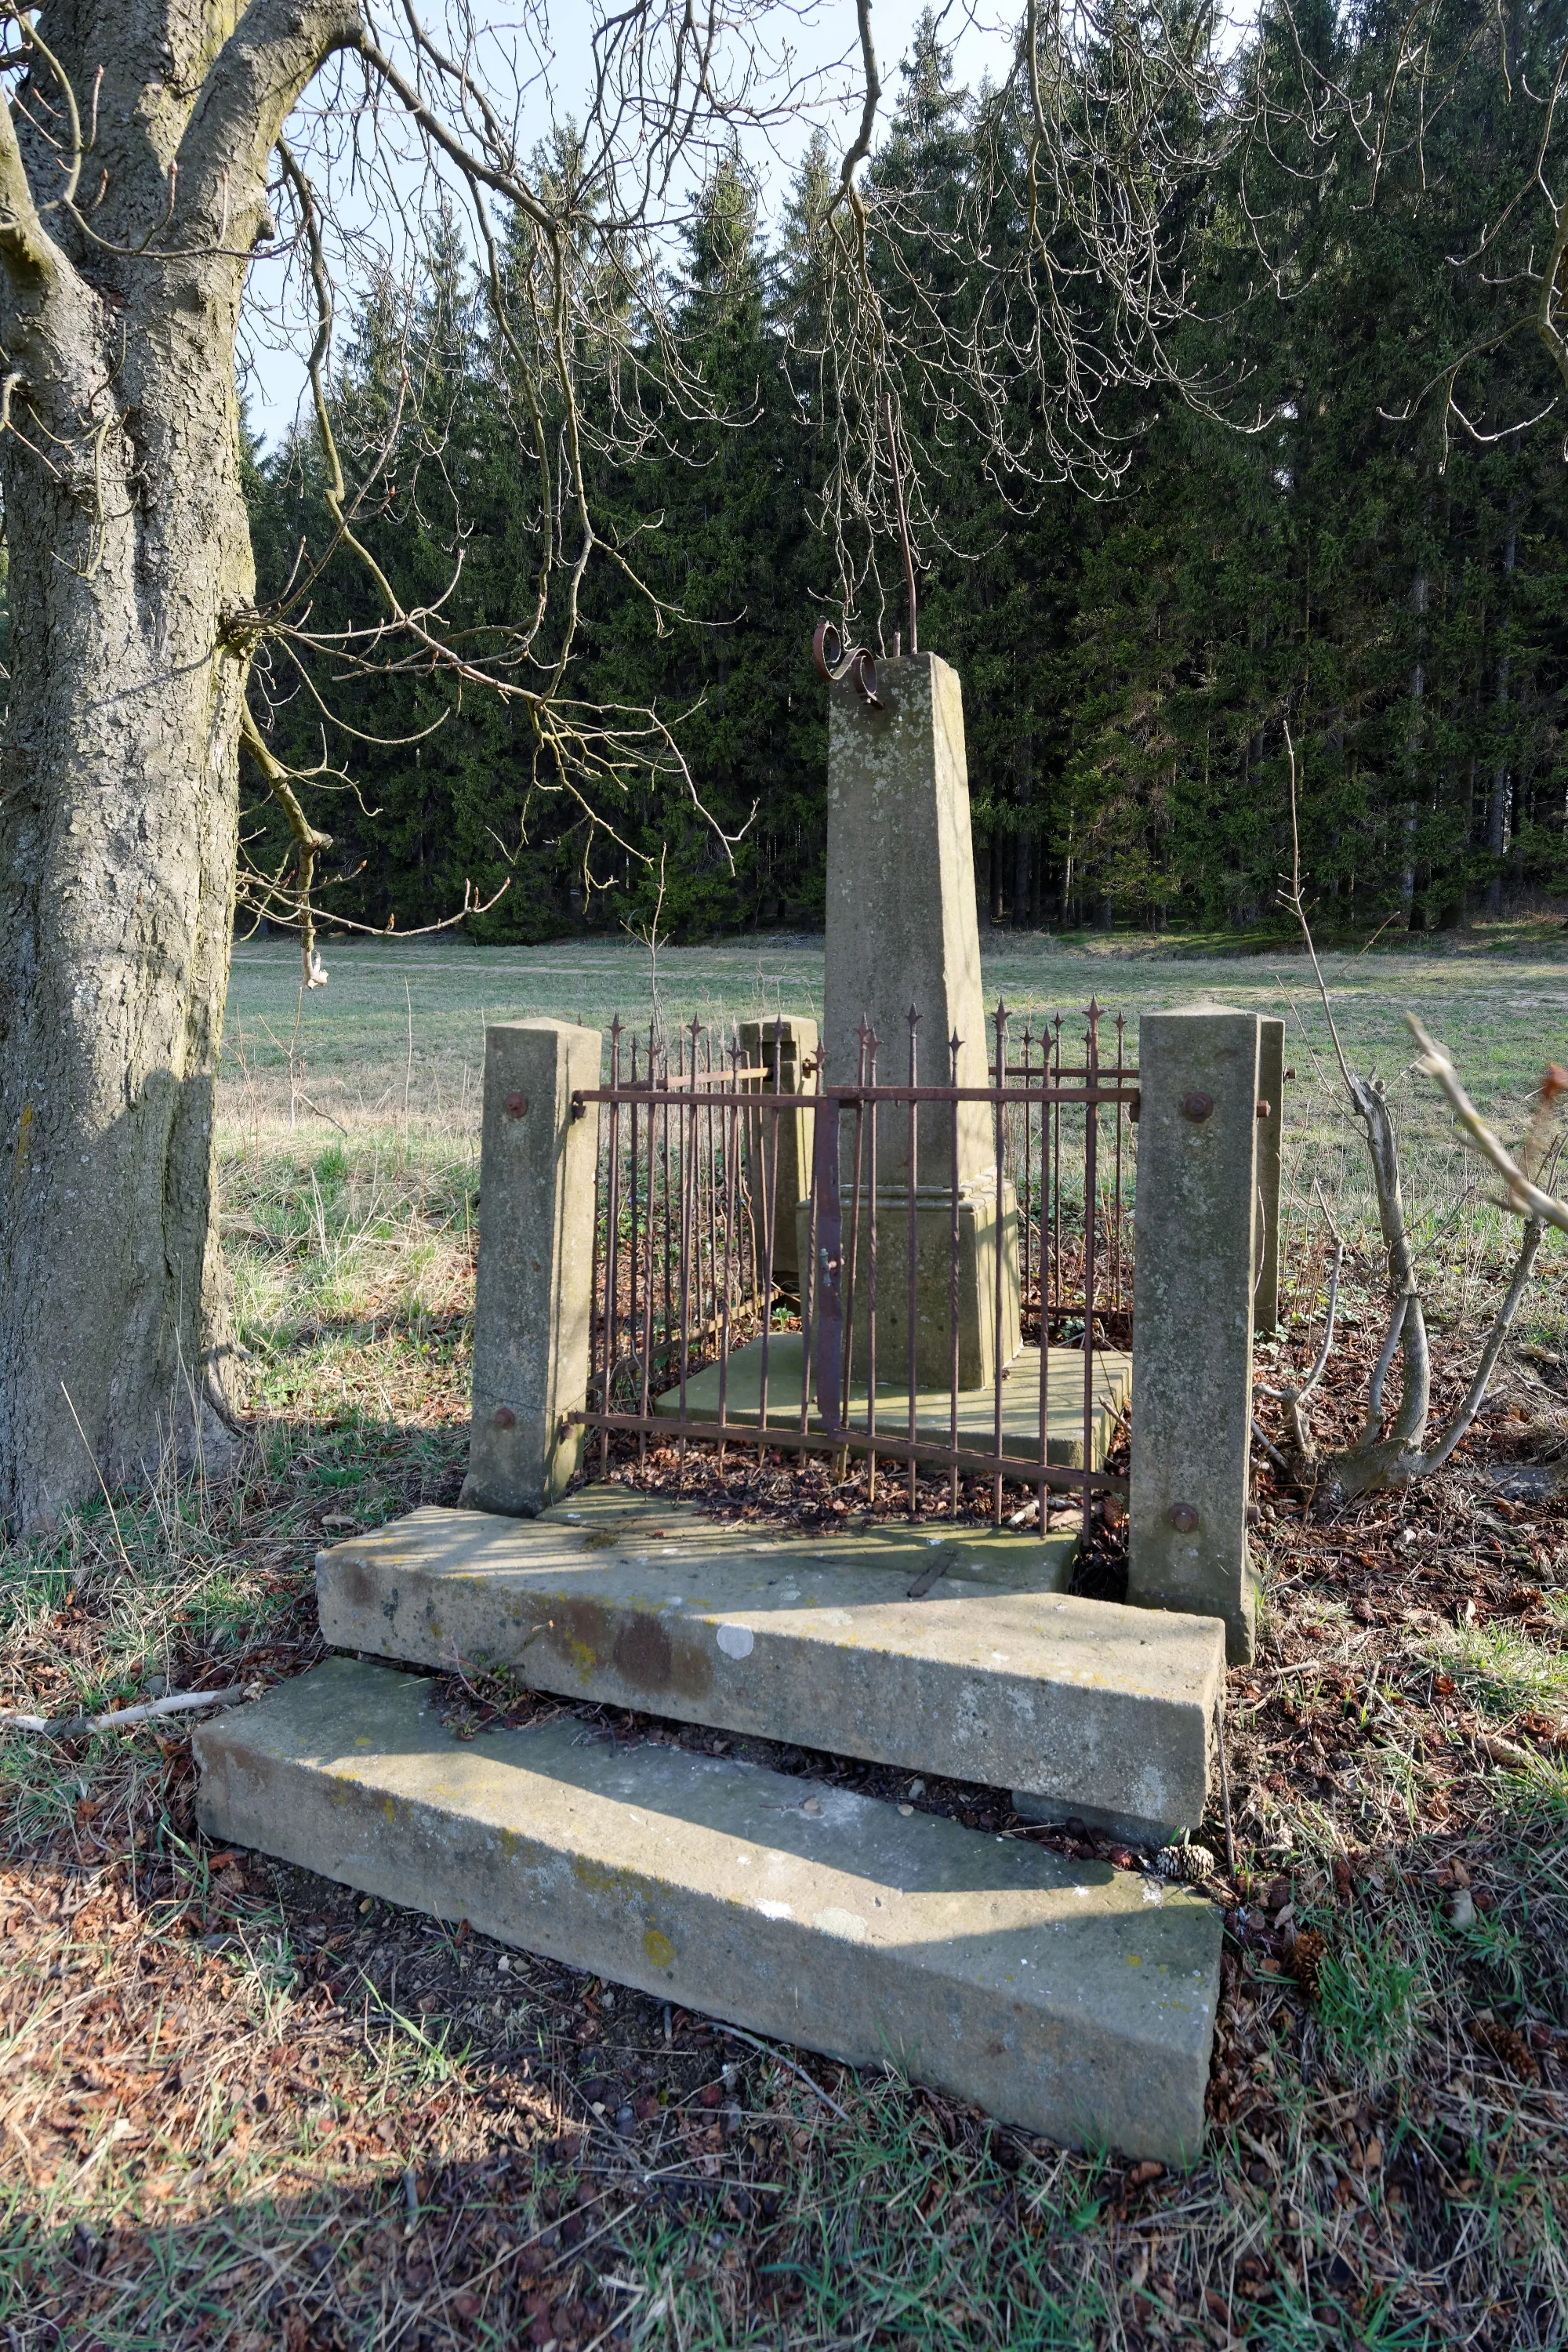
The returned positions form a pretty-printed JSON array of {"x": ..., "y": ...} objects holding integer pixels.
[{"x": 746, "y": 1237}]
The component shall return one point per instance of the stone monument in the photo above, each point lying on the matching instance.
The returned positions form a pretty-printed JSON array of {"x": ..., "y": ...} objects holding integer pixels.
[{"x": 901, "y": 931}]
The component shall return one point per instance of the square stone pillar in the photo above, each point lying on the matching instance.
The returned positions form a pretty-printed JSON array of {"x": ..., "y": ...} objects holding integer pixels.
[
  {"x": 533, "y": 1302},
  {"x": 1194, "y": 1227},
  {"x": 900, "y": 932},
  {"x": 1271, "y": 1168},
  {"x": 791, "y": 1042}
]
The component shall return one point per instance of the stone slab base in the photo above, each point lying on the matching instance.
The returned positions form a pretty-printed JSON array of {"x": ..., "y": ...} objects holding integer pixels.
[
  {"x": 956, "y": 1655},
  {"x": 976, "y": 1407},
  {"x": 1064, "y": 1997}
]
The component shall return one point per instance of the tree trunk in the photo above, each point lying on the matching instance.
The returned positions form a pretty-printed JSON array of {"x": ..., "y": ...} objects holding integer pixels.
[
  {"x": 130, "y": 569},
  {"x": 117, "y": 858}
]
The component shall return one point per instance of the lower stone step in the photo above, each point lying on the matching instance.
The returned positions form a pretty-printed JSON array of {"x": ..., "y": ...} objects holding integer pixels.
[
  {"x": 956, "y": 1655},
  {"x": 1067, "y": 1997}
]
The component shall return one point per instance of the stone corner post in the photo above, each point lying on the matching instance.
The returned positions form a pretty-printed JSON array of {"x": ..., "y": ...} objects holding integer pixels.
[
  {"x": 1195, "y": 1223},
  {"x": 533, "y": 1302},
  {"x": 1271, "y": 1168}
]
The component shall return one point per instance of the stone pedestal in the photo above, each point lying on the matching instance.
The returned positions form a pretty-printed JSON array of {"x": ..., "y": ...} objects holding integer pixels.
[
  {"x": 780, "y": 1049},
  {"x": 533, "y": 1297},
  {"x": 901, "y": 931},
  {"x": 978, "y": 1349},
  {"x": 1270, "y": 1168},
  {"x": 1192, "y": 1329}
]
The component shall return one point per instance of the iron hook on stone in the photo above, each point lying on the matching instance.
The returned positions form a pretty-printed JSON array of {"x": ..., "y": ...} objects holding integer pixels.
[{"x": 836, "y": 660}]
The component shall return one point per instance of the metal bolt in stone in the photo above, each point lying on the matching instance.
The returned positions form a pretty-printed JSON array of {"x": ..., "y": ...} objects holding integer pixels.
[
  {"x": 504, "y": 1417},
  {"x": 1182, "y": 1517},
  {"x": 516, "y": 1105},
  {"x": 1196, "y": 1106}
]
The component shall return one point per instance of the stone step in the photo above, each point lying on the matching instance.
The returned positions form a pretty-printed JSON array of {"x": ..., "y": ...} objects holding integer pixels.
[
  {"x": 958, "y": 1653},
  {"x": 1066, "y": 1997}
]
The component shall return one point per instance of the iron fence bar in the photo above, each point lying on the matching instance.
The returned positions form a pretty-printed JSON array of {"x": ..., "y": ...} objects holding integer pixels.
[
  {"x": 1056, "y": 1183},
  {"x": 914, "y": 1103},
  {"x": 1026, "y": 1222},
  {"x": 766, "y": 1126},
  {"x": 1016, "y": 1469},
  {"x": 809, "y": 1291},
  {"x": 708, "y": 1164},
  {"x": 724, "y": 1308},
  {"x": 1090, "y": 1187},
  {"x": 649, "y": 1282},
  {"x": 1022, "y": 1069},
  {"x": 846, "y": 1097},
  {"x": 852, "y": 1252},
  {"x": 669, "y": 1221},
  {"x": 953, "y": 1043},
  {"x": 872, "y": 1042},
  {"x": 828, "y": 1268},
  {"x": 612, "y": 1234},
  {"x": 1116, "y": 1225},
  {"x": 596, "y": 1291},
  {"x": 996, "y": 1337},
  {"x": 687, "y": 1146},
  {"x": 632, "y": 1317}
]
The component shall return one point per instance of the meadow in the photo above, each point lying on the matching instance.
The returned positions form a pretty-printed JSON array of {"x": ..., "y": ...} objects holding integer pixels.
[{"x": 241, "y": 2108}]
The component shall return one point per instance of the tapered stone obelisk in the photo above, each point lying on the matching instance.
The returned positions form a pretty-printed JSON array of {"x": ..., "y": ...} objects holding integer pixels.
[{"x": 901, "y": 930}]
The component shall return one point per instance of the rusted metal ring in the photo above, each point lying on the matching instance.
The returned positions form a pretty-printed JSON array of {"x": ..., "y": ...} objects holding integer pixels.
[
  {"x": 834, "y": 661},
  {"x": 1197, "y": 1107}
]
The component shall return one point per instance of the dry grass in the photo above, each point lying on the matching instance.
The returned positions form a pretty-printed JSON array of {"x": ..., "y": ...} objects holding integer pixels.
[{"x": 239, "y": 2110}]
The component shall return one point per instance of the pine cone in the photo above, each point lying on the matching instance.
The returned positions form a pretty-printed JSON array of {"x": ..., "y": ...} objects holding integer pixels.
[
  {"x": 1510, "y": 2049},
  {"x": 1306, "y": 1956},
  {"x": 1188, "y": 1863}
]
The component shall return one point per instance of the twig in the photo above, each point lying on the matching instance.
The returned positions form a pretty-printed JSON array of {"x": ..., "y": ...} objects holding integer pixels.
[
  {"x": 779, "y": 2059},
  {"x": 1225, "y": 1796},
  {"x": 69, "y": 1727},
  {"x": 113, "y": 1519},
  {"x": 1294, "y": 1399},
  {"x": 1320, "y": 1363},
  {"x": 1269, "y": 1447},
  {"x": 1525, "y": 1199}
]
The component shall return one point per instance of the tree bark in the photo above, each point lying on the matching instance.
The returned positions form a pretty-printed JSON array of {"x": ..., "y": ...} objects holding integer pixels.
[{"x": 130, "y": 570}]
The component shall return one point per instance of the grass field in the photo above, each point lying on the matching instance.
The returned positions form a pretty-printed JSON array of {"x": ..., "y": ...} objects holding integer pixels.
[
  {"x": 239, "y": 2110},
  {"x": 385, "y": 1065},
  {"x": 398, "y": 1025}
]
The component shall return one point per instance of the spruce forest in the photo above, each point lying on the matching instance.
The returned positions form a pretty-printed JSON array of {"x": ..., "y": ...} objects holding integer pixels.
[{"x": 1321, "y": 538}]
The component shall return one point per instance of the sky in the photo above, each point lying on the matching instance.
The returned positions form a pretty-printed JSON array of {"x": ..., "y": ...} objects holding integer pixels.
[{"x": 824, "y": 36}]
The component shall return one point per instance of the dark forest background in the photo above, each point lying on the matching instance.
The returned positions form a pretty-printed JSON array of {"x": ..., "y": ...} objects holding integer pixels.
[{"x": 1360, "y": 566}]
